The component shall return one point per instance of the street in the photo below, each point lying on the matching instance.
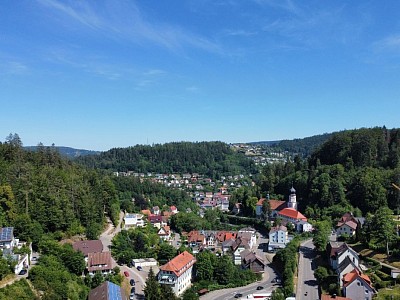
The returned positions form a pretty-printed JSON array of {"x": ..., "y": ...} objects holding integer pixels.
[
  {"x": 306, "y": 283},
  {"x": 265, "y": 282}
]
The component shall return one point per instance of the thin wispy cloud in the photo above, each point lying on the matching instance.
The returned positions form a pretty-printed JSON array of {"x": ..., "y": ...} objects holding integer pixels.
[
  {"x": 13, "y": 68},
  {"x": 390, "y": 43},
  {"x": 126, "y": 21},
  {"x": 239, "y": 32}
]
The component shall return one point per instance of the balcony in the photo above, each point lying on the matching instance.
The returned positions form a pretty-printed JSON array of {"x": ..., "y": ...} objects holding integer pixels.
[{"x": 164, "y": 279}]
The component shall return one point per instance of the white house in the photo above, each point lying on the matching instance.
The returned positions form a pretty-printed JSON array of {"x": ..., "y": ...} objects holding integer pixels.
[
  {"x": 278, "y": 238},
  {"x": 339, "y": 252},
  {"x": 133, "y": 220},
  {"x": 177, "y": 273},
  {"x": 164, "y": 233},
  {"x": 303, "y": 226}
]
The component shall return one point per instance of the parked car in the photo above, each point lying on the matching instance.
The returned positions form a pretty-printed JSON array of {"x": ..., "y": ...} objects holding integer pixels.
[
  {"x": 22, "y": 272},
  {"x": 139, "y": 268},
  {"x": 132, "y": 282},
  {"x": 238, "y": 295},
  {"x": 126, "y": 273},
  {"x": 133, "y": 290},
  {"x": 260, "y": 287}
]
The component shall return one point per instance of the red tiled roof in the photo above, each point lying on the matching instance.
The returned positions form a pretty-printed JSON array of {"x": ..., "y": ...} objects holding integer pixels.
[
  {"x": 292, "y": 213},
  {"x": 146, "y": 212},
  {"x": 353, "y": 275},
  {"x": 260, "y": 202},
  {"x": 179, "y": 264},
  {"x": 277, "y": 204},
  {"x": 274, "y": 204}
]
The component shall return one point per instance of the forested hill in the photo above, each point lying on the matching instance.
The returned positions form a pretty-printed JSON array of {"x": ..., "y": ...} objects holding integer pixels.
[
  {"x": 43, "y": 192},
  {"x": 303, "y": 147},
  {"x": 353, "y": 169},
  {"x": 66, "y": 151},
  {"x": 365, "y": 147},
  {"x": 210, "y": 158}
]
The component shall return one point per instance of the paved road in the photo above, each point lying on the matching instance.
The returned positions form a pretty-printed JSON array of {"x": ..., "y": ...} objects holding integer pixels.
[
  {"x": 266, "y": 282},
  {"x": 307, "y": 286}
]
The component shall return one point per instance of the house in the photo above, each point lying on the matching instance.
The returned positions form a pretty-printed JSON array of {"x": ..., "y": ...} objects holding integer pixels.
[
  {"x": 107, "y": 291},
  {"x": 99, "y": 262},
  {"x": 239, "y": 245},
  {"x": 7, "y": 240},
  {"x": 133, "y": 220},
  {"x": 348, "y": 224},
  {"x": 278, "y": 238},
  {"x": 196, "y": 239},
  {"x": 249, "y": 234},
  {"x": 303, "y": 226},
  {"x": 157, "y": 221},
  {"x": 8, "y": 243},
  {"x": 173, "y": 209},
  {"x": 252, "y": 261},
  {"x": 357, "y": 286},
  {"x": 88, "y": 246},
  {"x": 346, "y": 266},
  {"x": 224, "y": 205},
  {"x": 177, "y": 273},
  {"x": 164, "y": 233},
  {"x": 338, "y": 251},
  {"x": 156, "y": 210},
  {"x": 227, "y": 245}
]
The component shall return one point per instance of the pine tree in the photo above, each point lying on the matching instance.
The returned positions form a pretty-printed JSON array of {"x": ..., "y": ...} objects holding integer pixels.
[{"x": 152, "y": 288}]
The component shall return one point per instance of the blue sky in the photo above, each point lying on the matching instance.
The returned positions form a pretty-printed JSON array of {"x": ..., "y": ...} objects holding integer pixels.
[{"x": 103, "y": 74}]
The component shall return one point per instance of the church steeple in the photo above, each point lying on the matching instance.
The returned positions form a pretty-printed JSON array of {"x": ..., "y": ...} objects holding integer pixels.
[{"x": 292, "y": 203}]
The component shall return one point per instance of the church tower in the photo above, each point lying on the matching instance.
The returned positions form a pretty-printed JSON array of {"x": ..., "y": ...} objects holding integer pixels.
[{"x": 292, "y": 203}]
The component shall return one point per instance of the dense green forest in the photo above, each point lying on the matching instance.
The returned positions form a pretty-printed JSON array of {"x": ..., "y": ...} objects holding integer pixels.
[
  {"x": 303, "y": 147},
  {"x": 354, "y": 168},
  {"x": 213, "y": 159},
  {"x": 42, "y": 192},
  {"x": 148, "y": 194}
]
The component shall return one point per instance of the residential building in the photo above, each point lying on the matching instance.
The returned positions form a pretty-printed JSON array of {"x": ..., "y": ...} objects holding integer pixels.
[
  {"x": 346, "y": 266},
  {"x": 133, "y": 220},
  {"x": 249, "y": 234},
  {"x": 164, "y": 233},
  {"x": 8, "y": 243},
  {"x": 239, "y": 245},
  {"x": 99, "y": 262},
  {"x": 357, "y": 286},
  {"x": 88, "y": 246},
  {"x": 303, "y": 226},
  {"x": 177, "y": 273},
  {"x": 252, "y": 261},
  {"x": 348, "y": 224},
  {"x": 338, "y": 252},
  {"x": 107, "y": 291},
  {"x": 278, "y": 238}
]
